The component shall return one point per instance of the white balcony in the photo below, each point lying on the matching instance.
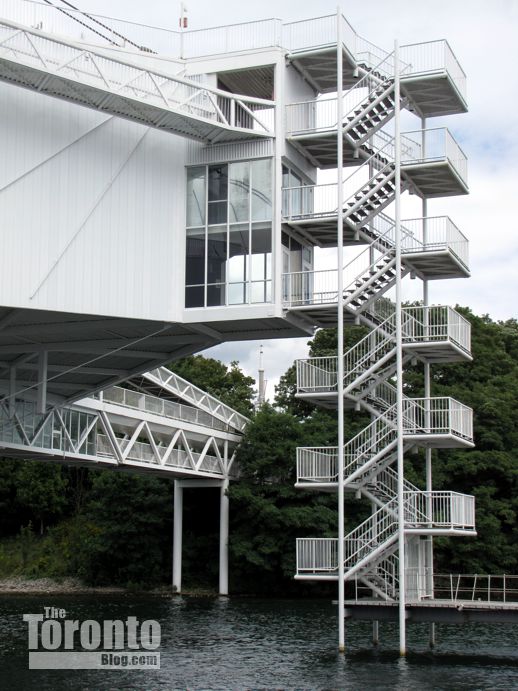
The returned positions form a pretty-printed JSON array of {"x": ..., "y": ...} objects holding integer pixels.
[
  {"x": 440, "y": 421},
  {"x": 435, "y": 332},
  {"x": 426, "y": 513}
]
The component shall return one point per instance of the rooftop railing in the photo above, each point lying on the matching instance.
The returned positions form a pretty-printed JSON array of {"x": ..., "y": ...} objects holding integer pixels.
[
  {"x": 433, "y": 56},
  {"x": 303, "y": 35}
]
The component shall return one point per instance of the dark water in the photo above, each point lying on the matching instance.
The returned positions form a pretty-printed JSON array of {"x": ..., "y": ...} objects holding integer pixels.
[{"x": 221, "y": 644}]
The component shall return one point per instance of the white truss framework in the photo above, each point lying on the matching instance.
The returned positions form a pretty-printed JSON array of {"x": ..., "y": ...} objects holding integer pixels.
[
  {"x": 65, "y": 69},
  {"x": 104, "y": 433},
  {"x": 176, "y": 385}
]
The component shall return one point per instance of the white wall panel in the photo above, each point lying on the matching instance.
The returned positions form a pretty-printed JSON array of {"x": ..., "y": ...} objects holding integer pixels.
[{"x": 92, "y": 210}]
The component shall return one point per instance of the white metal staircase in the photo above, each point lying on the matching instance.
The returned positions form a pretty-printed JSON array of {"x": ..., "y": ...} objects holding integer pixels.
[{"x": 430, "y": 334}]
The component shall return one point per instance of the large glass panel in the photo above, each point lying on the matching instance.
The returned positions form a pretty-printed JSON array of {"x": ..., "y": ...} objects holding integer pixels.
[
  {"x": 215, "y": 295},
  {"x": 261, "y": 190},
  {"x": 194, "y": 296},
  {"x": 218, "y": 194},
  {"x": 195, "y": 257},
  {"x": 261, "y": 251},
  {"x": 217, "y": 212},
  {"x": 196, "y": 196},
  {"x": 216, "y": 254},
  {"x": 239, "y": 196},
  {"x": 218, "y": 183},
  {"x": 295, "y": 200},
  {"x": 238, "y": 263}
]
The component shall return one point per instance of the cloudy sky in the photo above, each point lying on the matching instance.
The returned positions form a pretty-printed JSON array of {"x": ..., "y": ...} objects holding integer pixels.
[{"x": 484, "y": 36}]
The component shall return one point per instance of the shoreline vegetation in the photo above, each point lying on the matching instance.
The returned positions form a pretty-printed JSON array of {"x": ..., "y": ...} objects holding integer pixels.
[
  {"x": 19, "y": 585},
  {"x": 71, "y": 529}
]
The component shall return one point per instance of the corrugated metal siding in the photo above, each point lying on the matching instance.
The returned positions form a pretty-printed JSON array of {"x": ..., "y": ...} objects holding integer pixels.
[
  {"x": 199, "y": 153},
  {"x": 92, "y": 210}
]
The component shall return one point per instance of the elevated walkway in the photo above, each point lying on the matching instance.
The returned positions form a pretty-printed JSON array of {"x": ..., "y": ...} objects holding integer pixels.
[
  {"x": 65, "y": 69},
  {"x": 187, "y": 434}
]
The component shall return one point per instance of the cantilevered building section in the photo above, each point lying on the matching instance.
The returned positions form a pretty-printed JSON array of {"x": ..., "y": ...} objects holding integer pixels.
[{"x": 161, "y": 192}]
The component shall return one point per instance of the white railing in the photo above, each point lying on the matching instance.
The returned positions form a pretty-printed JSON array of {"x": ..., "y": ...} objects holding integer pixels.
[
  {"x": 320, "y": 464},
  {"x": 316, "y": 33},
  {"x": 180, "y": 387},
  {"x": 92, "y": 28},
  {"x": 321, "y": 287},
  {"x": 317, "y": 374},
  {"x": 320, "y": 555},
  {"x": 162, "y": 407},
  {"x": 436, "y": 233},
  {"x": 436, "y": 144},
  {"x": 231, "y": 38},
  {"x": 422, "y": 324},
  {"x": 321, "y": 114},
  {"x": 448, "y": 510},
  {"x": 475, "y": 587},
  {"x": 434, "y": 56},
  {"x": 317, "y": 555},
  {"x": 422, "y": 510},
  {"x": 437, "y": 323},
  {"x": 439, "y": 415},
  {"x": 62, "y": 59},
  {"x": 416, "y": 59},
  {"x": 309, "y": 201}
]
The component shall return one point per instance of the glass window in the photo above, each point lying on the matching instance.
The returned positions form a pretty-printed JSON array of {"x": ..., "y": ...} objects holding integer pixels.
[
  {"x": 229, "y": 234},
  {"x": 261, "y": 251},
  {"x": 218, "y": 194},
  {"x": 216, "y": 295},
  {"x": 195, "y": 257},
  {"x": 216, "y": 254},
  {"x": 239, "y": 202},
  {"x": 261, "y": 190},
  {"x": 238, "y": 251},
  {"x": 194, "y": 296},
  {"x": 196, "y": 197},
  {"x": 218, "y": 183}
]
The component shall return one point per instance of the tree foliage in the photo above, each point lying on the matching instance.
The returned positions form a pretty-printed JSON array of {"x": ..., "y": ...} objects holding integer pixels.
[
  {"x": 229, "y": 384},
  {"x": 116, "y": 528}
]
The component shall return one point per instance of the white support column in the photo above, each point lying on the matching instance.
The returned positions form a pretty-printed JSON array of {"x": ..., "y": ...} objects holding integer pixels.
[
  {"x": 340, "y": 335},
  {"x": 399, "y": 360},
  {"x": 43, "y": 359},
  {"x": 278, "y": 143},
  {"x": 177, "y": 536},
  {"x": 223, "y": 538},
  {"x": 427, "y": 395}
]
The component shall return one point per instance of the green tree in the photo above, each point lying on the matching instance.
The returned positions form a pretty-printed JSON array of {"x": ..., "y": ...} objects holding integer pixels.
[
  {"x": 267, "y": 512},
  {"x": 229, "y": 384},
  {"x": 127, "y": 530},
  {"x": 41, "y": 489}
]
